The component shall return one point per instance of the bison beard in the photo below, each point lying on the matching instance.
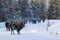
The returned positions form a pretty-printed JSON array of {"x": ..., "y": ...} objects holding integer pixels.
[{"x": 19, "y": 27}]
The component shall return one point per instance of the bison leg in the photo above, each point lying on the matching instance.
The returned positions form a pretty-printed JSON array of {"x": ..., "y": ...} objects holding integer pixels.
[
  {"x": 6, "y": 29},
  {"x": 12, "y": 30},
  {"x": 18, "y": 31}
]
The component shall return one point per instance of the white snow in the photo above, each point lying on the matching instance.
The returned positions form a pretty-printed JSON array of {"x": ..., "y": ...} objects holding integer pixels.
[
  {"x": 33, "y": 31},
  {"x": 55, "y": 28}
]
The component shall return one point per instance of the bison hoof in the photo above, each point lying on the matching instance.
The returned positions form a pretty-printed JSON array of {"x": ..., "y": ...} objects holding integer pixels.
[{"x": 18, "y": 33}]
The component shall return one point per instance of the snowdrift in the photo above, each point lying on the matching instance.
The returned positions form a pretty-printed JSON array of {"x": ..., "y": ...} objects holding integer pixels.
[{"x": 55, "y": 28}]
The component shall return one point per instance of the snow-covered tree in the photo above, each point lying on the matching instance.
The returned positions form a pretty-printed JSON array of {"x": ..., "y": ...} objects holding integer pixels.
[{"x": 22, "y": 9}]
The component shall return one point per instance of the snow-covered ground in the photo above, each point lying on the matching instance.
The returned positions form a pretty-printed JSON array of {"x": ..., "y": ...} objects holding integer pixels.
[{"x": 33, "y": 31}]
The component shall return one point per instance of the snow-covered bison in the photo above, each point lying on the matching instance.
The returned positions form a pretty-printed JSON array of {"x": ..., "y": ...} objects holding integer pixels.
[{"x": 14, "y": 26}]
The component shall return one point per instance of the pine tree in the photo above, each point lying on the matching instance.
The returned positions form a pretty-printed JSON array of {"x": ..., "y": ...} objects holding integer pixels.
[{"x": 54, "y": 9}]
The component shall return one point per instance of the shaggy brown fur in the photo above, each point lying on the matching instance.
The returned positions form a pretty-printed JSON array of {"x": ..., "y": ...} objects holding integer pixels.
[{"x": 15, "y": 26}]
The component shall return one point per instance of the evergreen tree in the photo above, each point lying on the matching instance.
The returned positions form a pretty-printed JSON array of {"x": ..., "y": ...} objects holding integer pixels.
[{"x": 54, "y": 9}]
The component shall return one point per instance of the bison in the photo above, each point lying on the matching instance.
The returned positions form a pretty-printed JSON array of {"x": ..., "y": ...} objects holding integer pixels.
[
  {"x": 7, "y": 24},
  {"x": 15, "y": 26}
]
